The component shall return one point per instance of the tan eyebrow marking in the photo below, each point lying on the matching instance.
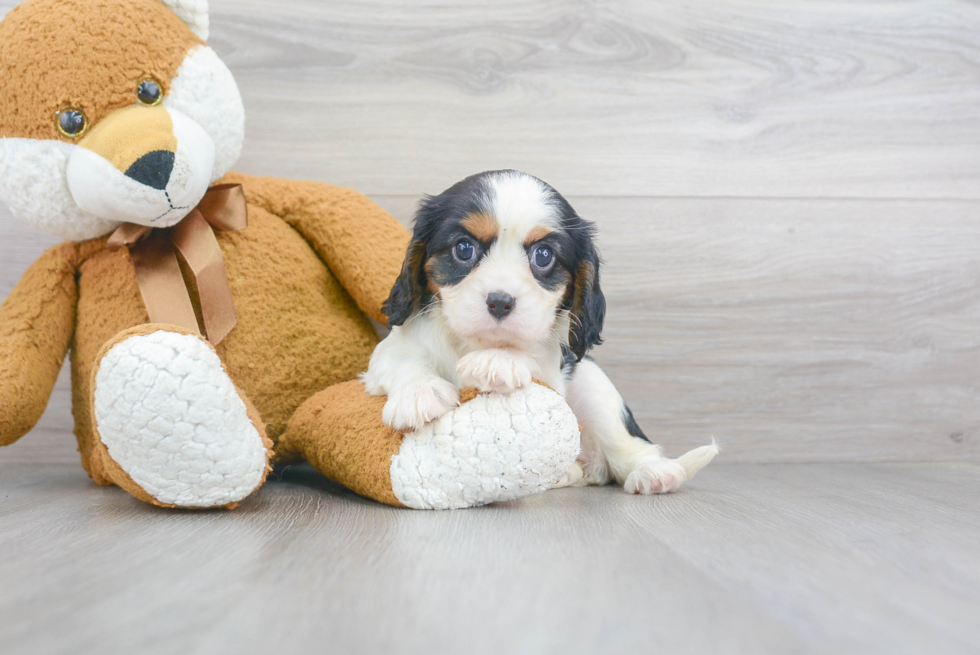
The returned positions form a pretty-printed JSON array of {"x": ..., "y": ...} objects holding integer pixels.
[
  {"x": 535, "y": 235},
  {"x": 432, "y": 286},
  {"x": 481, "y": 225}
]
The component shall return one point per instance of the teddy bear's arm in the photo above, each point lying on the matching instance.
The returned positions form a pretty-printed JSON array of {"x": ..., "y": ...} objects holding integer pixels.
[
  {"x": 37, "y": 321},
  {"x": 363, "y": 245}
]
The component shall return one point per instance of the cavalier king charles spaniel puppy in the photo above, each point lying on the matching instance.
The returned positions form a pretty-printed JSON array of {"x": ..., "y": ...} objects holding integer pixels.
[{"x": 501, "y": 286}]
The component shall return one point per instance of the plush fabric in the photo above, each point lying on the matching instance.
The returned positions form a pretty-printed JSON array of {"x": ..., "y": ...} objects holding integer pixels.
[
  {"x": 205, "y": 90},
  {"x": 36, "y": 324},
  {"x": 47, "y": 51},
  {"x": 91, "y": 56},
  {"x": 299, "y": 329},
  {"x": 194, "y": 13},
  {"x": 159, "y": 441},
  {"x": 492, "y": 448},
  {"x": 34, "y": 184},
  {"x": 337, "y": 431},
  {"x": 360, "y": 242}
]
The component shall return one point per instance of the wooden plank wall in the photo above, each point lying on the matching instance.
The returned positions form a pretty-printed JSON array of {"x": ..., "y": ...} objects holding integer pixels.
[{"x": 788, "y": 193}]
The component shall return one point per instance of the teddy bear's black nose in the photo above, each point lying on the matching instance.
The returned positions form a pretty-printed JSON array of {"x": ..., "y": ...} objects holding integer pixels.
[{"x": 153, "y": 169}]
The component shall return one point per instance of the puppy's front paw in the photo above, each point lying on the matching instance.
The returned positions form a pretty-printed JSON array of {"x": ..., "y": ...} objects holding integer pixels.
[
  {"x": 494, "y": 369},
  {"x": 655, "y": 476},
  {"x": 418, "y": 403}
]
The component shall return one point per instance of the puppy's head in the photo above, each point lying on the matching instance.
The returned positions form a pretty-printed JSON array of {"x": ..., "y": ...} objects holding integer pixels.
[
  {"x": 110, "y": 112},
  {"x": 507, "y": 261}
]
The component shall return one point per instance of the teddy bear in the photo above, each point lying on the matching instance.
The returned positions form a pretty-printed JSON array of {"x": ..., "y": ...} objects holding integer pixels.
[{"x": 216, "y": 321}]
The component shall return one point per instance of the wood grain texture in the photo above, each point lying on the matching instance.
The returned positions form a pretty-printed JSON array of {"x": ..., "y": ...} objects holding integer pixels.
[
  {"x": 747, "y": 559},
  {"x": 735, "y": 98},
  {"x": 738, "y": 98}
]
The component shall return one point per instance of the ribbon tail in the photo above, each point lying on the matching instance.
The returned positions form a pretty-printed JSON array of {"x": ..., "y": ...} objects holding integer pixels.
[
  {"x": 161, "y": 283},
  {"x": 196, "y": 241},
  {"x": 128, "y": 235},
  {"x": 224, "y": 206}
]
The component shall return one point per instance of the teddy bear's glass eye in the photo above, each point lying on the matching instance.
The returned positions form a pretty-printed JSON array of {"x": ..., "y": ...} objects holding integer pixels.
[
  {"x": 149, "y": 93},
  {"x": 71, "y": 122}
]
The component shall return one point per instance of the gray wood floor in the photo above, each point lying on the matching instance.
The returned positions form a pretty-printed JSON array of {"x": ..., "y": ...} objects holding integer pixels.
[
  {"x": 750, "y": 558},
  {"x": 732, "y": 98},
  {"x": 788, "y": 199}
]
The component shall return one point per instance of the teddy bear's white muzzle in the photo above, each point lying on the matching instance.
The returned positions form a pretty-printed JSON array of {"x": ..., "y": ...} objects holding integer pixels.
[{"x": 157, "y": 189}]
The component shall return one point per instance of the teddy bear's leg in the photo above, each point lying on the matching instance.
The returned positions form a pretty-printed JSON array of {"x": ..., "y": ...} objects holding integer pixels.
[
  {"x": 492, "y": 448},
  {"x": 339, "y": 431},
  {"x": 172, "y": 428}
]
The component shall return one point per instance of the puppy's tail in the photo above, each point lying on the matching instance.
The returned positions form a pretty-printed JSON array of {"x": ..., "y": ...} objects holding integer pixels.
[{"x": 695, "y": 460}]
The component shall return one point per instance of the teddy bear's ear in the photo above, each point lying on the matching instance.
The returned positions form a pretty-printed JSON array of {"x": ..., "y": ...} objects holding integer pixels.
[{"x": 194, "y": 13}]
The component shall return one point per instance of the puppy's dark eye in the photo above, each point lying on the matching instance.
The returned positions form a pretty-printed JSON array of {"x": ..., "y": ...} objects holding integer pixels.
[
  {"x": 149, "y": 93},
  {"x": 543, "y": 258},
  {"x": 464, "y": 251},
  {"x": 72, "y": 122}
]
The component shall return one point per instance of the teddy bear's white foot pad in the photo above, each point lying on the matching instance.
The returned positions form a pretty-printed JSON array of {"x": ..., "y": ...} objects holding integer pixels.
[
  {"x": 493, "y": 448},
  {"x": 172, "y": 419}
]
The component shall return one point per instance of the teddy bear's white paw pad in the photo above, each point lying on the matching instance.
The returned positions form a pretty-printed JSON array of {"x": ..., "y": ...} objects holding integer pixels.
[
  {"x": 493, "y": 448},
  {"x": 173, "y": 420}
]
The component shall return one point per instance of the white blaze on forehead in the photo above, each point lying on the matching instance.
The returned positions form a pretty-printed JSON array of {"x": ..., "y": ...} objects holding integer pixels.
[{"x": 520, "y": 203}]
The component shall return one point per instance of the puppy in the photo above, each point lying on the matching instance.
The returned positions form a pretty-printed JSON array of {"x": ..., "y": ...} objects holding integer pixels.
[{"x": 501, "y": 285}]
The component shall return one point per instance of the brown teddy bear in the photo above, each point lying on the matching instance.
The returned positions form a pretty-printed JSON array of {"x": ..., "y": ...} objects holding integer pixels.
[{"x": 213, "y": 318}]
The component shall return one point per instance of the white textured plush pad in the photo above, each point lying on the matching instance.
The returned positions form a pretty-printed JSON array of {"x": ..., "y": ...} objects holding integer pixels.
[
  {"x": 493, "y": 448},
  {"x": 172, "y": 419}
]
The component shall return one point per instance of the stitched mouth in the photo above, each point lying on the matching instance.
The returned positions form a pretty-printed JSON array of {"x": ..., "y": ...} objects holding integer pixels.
[{"x": 167, "y": 213}]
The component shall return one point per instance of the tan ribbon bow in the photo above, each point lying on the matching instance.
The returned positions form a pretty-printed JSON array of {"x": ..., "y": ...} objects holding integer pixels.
[{"x": 154, "y": 254}]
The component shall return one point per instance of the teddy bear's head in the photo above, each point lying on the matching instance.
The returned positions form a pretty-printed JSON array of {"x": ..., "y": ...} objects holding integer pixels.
[{"x": 112, "y": 111}]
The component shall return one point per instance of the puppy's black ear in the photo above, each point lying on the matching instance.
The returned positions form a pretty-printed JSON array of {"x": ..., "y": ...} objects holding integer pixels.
[
  {"x": 409, "y": 292},
  {"x": 587, "y": 305}
]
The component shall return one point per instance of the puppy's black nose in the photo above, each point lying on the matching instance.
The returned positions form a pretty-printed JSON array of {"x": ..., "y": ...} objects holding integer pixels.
[
  {"x": 153, "y": 169},
  {"x": 500, "y": 304}
]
